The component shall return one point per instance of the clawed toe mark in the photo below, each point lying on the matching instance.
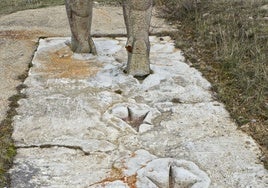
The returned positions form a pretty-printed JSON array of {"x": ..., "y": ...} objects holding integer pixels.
[{"x": 133, "y": 120}]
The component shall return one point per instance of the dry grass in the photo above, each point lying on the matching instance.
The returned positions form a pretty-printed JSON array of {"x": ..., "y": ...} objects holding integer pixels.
[
  {"x": 228, "y": 41},
  {"x": 10, "y": 6}
]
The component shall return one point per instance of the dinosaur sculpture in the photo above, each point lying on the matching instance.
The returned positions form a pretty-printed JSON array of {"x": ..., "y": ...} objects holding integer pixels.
[{"x": 137, "y": 16}]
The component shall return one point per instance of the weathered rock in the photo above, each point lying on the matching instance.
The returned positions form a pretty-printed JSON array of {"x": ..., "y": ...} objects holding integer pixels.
[
  {"x": 141, "y": 169},
  {"x": 20, "y": 32},
  {"x": 75, "y": 128},
  {"x": 133, "y": 115}
]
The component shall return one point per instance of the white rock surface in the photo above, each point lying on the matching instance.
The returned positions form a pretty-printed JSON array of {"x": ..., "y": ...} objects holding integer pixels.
[
  {"x": 87, "y": 124},
  {"x": 20, "y": 31}
]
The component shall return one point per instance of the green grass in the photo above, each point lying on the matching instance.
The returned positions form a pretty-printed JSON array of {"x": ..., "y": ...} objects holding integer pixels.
[
  {"x": 7, "y": 148},
  {"x": 227, "y": 40}
]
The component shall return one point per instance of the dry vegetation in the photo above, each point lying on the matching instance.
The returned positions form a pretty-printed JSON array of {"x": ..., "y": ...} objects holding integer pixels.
[
  {"x": 227, "y": 40},
  {"x": 10, "y": 6}
]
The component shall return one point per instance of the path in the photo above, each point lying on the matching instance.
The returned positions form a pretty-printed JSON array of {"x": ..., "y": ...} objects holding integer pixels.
[{"x": 87, "y": 124}]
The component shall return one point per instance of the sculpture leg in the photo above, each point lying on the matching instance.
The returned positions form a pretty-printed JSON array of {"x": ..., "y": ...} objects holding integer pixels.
[
  {"x": 137, "y": 15},
  {"x": 79, "y": 14}
]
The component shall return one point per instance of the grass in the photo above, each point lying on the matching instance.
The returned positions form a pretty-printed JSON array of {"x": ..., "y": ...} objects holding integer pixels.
[
  {"x": 227, "y": 40},
  {"x": 10, "y": 6},
  {"x": 7, "y": 148}
]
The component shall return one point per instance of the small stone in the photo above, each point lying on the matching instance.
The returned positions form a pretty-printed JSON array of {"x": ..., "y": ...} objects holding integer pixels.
[
  {"x": 264, "y": 7},
  {"x": 205, "y": 15},
  {"x": 145, "y": 127},
  {"x": 253, "y": 121},
  {"x": 120, "y": 112}
]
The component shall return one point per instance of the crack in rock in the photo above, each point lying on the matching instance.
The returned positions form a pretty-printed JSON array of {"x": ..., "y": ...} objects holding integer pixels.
[
  {"x": 171, "y": 178},
  {"x": 151, "y": 171},
  {"x": 54, "y": 145}
]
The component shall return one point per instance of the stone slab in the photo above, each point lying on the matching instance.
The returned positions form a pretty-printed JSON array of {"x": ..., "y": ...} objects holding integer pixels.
[
  {"x": 85, "y": 123},
  {"x": 19, "y": 33}
]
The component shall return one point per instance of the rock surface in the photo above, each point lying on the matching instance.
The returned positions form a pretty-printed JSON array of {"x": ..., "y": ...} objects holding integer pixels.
[
  {"x": 19, "y": 33},
  {"x": 87, "y": 124}
]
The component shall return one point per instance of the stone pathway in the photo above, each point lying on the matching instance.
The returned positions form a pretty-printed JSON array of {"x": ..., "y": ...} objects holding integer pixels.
[
  {"x": 85, "y": 123},
  {"x": 19, "y": 33}
]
